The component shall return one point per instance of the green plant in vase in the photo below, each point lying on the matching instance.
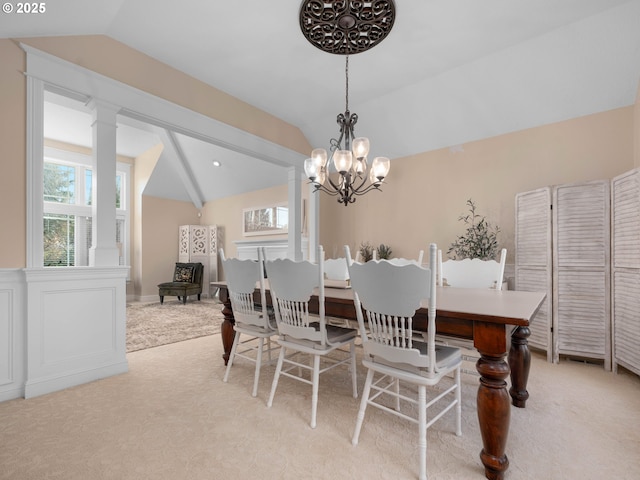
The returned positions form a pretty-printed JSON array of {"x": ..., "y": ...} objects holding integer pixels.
[
  {"x": 366, "y": 251},
  {"x": 384, "y": 252},
  {"x": 480, "y": 239}
]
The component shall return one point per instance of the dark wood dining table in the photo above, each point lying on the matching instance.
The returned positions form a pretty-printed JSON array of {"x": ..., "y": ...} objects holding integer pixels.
[{"x": 485, "y": 316}]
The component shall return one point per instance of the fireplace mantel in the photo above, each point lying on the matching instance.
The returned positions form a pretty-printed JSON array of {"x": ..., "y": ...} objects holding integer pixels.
[{"x": 274, "y": 248}]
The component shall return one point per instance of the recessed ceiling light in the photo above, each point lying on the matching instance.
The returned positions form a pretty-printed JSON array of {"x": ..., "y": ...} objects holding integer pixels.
[{"x": 216, "y": 163}]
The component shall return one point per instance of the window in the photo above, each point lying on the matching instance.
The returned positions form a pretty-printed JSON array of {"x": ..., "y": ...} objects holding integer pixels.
[{"x": 67, "y": 212}]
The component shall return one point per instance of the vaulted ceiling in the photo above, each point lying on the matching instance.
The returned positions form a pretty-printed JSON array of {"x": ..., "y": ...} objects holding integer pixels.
[{"x": 450, "y": 72}]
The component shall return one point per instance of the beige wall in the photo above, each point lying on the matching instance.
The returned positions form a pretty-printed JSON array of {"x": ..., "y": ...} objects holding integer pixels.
[
  {"x": 227, "y": 214},
  {"x": 160, "y": 221},
  {"x": 426, "y": 193},
  {"x": 13, "y": 138},
  {"x": 144, "y": 165}
]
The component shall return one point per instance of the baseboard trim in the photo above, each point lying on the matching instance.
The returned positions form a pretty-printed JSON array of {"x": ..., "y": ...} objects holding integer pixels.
[
  {"x": 42, "y": 386},
  {"x": 11, "y": 394}
]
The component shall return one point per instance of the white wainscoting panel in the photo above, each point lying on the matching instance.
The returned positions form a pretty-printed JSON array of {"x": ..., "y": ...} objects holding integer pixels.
[
  {"x": 76, "y": 326},
  {"x": 12, "y": 340}
]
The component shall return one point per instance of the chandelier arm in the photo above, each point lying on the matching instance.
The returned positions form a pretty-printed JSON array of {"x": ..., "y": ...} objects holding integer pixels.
[
  {"x": 336, "y": 187},
  {"x": 363, "y": 180},
  {"x": 335, "y": 144},
  {"x": 375, "y": 186},
  {"x": 319, "y": 187}
]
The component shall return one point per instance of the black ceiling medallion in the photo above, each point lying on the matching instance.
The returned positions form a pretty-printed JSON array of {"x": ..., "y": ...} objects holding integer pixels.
[{"x": 346, "y": 27}]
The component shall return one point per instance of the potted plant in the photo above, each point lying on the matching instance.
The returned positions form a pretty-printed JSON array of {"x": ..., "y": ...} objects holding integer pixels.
[
  {"x": 480, "y": 239},
  {"x": 366, "y": 252},
  {"x": 384, "y": 252}
]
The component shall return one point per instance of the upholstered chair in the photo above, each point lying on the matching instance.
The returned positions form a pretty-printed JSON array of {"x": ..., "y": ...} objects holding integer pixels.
[{"x": 187, "y": 280}]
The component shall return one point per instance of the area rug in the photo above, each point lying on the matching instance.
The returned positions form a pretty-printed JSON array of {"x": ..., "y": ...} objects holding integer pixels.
[{"x": 151, "y": 324}]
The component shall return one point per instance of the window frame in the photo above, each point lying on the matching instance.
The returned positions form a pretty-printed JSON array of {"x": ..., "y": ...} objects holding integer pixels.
[{"x": 81, "y": 208}]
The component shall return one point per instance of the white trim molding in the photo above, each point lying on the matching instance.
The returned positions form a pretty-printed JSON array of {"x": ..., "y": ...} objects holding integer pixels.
[
  {"x": 12, "y": 334},
  {"x": 79, "y": 82}
]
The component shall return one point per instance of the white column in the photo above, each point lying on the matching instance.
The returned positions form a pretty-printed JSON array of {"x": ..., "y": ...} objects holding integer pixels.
[
  {"x": 35, "y": 172},
  {"x": 103, "y": 251},
  {"x": 295, "y": 217},
  {"x": 313, "y": 222}
]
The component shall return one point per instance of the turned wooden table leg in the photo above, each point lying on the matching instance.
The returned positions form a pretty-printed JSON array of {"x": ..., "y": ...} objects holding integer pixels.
[
  {"x": 226, "y": 329},
  {"x": 520, "y": 364},
  {"x": 494, "y": 409}
]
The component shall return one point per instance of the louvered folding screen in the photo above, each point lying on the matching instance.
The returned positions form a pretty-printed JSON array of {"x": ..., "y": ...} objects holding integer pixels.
[
  {"x": 581, "y": 272},
  {"x": 533, "y": 260},
  {"x": 625, "y": 264}
]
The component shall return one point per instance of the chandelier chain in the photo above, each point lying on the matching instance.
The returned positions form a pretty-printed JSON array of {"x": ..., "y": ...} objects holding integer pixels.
[{"x": 346, "y": 74}]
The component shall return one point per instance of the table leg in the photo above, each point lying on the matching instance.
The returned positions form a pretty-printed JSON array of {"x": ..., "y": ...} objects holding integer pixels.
[
  {"x": 494, "y": 410},
  {"x": 226, "y": 329},
  {"x": 520, "y": 364}
]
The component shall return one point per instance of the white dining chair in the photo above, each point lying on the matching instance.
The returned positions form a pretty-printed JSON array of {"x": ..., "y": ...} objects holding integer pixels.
[
  {"x": 292, "y": 285},
  {"x": 251, "y": 319},
  {"x": 336, "y": 273},
  {"x": 472, "y": 273},
  {"x": 469, "y": 273},
  {"x": 390, "y": 295}
]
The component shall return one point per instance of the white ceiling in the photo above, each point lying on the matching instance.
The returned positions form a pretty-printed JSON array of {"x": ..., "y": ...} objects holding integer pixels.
[{"x": 449, "y": 72}]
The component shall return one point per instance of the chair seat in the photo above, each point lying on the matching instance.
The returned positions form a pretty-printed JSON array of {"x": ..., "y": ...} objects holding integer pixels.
[
  {"x": 178, "y": 285},
  {"x": 336, "y": 336},
  {"x": 254, "y": 330},
  {"x": 447, "y": 359},
  {"x": 178, "y": 289}
]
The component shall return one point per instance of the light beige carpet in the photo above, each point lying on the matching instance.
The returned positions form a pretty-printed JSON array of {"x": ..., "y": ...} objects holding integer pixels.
[
  {"x": 172, "y": 418},
  {"x": 151, "y": 324}
]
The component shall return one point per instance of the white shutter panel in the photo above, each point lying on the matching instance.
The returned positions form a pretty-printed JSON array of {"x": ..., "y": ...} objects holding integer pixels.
[
  {"x": 625, "y": 216},
  {"x": 581, "y": 293},
  {"x": 533, "y": 259}
]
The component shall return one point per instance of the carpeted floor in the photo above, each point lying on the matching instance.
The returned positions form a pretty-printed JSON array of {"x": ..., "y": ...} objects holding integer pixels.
[
  {"x": 151, "y": 324},
  {"x": 173, "y": 418}
]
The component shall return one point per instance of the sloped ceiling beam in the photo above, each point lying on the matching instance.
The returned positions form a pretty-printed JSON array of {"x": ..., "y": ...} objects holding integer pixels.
[{"x": 178, "y": 159}]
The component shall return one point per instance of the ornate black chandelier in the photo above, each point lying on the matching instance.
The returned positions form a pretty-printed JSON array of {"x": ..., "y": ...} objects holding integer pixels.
[{"x": 346, "y": 27}]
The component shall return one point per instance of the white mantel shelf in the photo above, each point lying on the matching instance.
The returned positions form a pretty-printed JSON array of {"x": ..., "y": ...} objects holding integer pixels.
[{"x": 274, "y": 248}]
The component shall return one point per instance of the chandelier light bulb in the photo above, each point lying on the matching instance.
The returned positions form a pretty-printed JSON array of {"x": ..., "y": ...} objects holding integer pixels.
[
  {"x": 311, "y": 169},
  {"x": 380, "y": 167},
  {"x": 372, "y": 177},
  {"x": 342, "y": 160},
  {"x": 360, "y": 147},
  {"x": 319, "y": 156},
  {"x": 360, "y": 165}
]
